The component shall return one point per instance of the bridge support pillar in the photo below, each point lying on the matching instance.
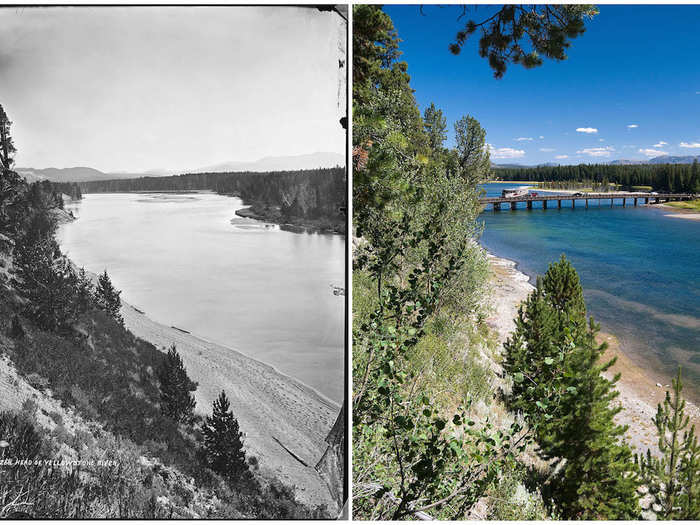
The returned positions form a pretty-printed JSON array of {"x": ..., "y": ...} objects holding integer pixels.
[
  {"x": 544, "y": 205},
  {"x": 624, "y": 201},
  {"x": 611, "y": 202},
  {"x": 496, "y": 206},
  {"x": 586, "y": 203},
  {"x": 635, "y": 201},
  {"x": 656, "y": 200},
  {"x": 513, "y": 205},
  {"x": 646, "y": 200},
  {"x": 559, "y": 203},
  {"x": 573, "y": 203},
  {"x": 529, "y": 205}
]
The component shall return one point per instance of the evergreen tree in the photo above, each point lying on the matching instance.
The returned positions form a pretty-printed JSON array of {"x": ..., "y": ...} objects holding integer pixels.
[
  {"x": 548, "y": 28},
  {"x": 435, "y": 126},
  {"x": 47, "y": 282},
  {"x": 562, "y": 286},
  {"x": 673, "y": 478},
  {"x": 176, "y": 400},
  {"x": 85, "y": 290},
  {"x": 223, "y": 442},
  {"x": 598, "y": 480},
  {"x": 558, "y": 385},
  {"x": 107, "y": 298},
  {"x": 11, "y": 184}
]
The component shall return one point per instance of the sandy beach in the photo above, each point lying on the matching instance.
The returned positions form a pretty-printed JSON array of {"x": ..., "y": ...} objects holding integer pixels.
[
  {"x": 639, "y": 393},
  {"x": 280, "y": 416}
]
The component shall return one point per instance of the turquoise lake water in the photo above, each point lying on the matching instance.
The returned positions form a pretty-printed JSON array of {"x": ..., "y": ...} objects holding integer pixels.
[{"x": 640, "y": 271}]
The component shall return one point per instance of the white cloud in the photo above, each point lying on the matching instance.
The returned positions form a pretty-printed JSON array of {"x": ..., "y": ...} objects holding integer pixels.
[
  {"x": 652, "y": 152},
  {"x": 561, "y": 157},
  {"x": 601, "y": 140},
  {"x": 505, "y": 153},
  {"x": 597, "y": 152},
  {"x": 689, "y": 144},
  {"x": 587, "y": 130},
  {"x": 541, "y": 136},
  {"x": 660, "y": 144},
  {"x": 631, "y": 126},
  {"x": 520, "y": 139},
  {"x": 546, "y": 150}
]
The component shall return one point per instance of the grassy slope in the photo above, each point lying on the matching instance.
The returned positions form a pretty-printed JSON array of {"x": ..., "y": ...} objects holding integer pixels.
[
  {"x": 92, "y": 393},
  {"x": 458, "y": 359},
  {"x": 685, "y": 205}
]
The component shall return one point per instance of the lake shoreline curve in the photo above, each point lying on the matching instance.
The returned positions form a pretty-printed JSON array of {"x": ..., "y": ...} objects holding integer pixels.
[{"x": 639, "y": 391}]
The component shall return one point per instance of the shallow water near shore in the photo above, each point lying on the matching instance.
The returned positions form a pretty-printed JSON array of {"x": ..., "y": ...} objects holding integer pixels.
[
  {"x": 639, "y": 269},
  {"x": 242, "y": 284}
]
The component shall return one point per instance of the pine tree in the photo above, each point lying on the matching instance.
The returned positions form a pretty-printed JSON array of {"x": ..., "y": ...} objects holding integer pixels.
[
  {"x": 223, "y": 442},
  {"x": 555, "y": 364},
  {"x": 435, "y": 126},
  {"x": 598, "y": 480},
  {"x": 673, "y": 478},
  {"x": 176, "y": 401},
  {"x": 107, "y": 298},
  {"x": 562, "y": 286},
  {"x": 48, "y": 285},
  {"x": 85, "y": 290}
]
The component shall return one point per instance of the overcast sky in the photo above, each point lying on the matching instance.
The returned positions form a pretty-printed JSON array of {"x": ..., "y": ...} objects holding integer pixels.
[{"x": 131, "y": 89}]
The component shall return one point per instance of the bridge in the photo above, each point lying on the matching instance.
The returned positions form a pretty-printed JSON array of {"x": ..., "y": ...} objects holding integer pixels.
[{"x": 497, "y": 202}]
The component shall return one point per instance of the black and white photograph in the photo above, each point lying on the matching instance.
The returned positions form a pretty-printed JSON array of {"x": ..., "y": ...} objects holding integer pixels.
[{"x": 173, "y": 221}]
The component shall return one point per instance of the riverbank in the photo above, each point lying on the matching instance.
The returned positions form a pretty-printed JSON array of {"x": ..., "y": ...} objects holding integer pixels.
[
  {"x": 284, "y": 421},
  {"x": 273, "y": 214},
  {"x": 638, "y": 387},
  {"x": 689, "y": 210}
]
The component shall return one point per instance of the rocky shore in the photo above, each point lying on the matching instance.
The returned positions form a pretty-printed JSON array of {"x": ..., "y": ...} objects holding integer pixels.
[{"x": 640, "y": 389}]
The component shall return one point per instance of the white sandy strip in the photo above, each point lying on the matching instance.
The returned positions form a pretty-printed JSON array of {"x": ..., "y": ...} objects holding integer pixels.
[
  {"x": 271, "y": 407},
  {"x": 690, "y": 216},
  {"x": 639, "y": 393}
]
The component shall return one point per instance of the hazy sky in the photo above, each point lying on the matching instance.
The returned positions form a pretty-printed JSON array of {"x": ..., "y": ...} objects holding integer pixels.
[{"x": 122, "y": 89}]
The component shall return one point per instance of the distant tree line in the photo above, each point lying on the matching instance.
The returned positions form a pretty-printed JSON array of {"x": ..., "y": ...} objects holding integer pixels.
[
  {"x": 309, "y": 194},
  {"x": 676, "y": 178}
]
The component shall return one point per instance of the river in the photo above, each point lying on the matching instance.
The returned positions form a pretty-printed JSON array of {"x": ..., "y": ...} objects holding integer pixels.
[
  {"x": 260, "y": 290},
  {"x": 639, "y": 269}
]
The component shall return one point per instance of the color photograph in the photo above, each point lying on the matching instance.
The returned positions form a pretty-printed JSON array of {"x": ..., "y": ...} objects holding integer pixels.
[{"x": 526, "y": 262}]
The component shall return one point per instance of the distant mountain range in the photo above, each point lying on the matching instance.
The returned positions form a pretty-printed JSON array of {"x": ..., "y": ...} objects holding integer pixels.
[
  {"x": 663, "y": 159},
  {"x": 286, "y": 163}
]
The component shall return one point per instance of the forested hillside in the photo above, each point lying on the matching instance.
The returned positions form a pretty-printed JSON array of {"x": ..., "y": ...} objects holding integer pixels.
[
  {"x": 676, "y": 178},
  {"x": 94, "y": 422},
  {"x": 315, "y": 198}
]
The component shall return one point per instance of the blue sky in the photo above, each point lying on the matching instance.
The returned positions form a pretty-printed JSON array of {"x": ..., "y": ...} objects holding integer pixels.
[{"x": 631, "y": 85}]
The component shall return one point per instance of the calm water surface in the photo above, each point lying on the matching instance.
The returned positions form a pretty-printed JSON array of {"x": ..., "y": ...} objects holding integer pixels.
[
  {"x": 639, "y": 269},
  {"x": 262, "y": 291}
]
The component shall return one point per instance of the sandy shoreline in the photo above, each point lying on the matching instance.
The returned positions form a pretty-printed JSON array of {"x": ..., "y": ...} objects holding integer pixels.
[
  {"x": 274, "y": 411},
  {"x": 639, "y": 393}
]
